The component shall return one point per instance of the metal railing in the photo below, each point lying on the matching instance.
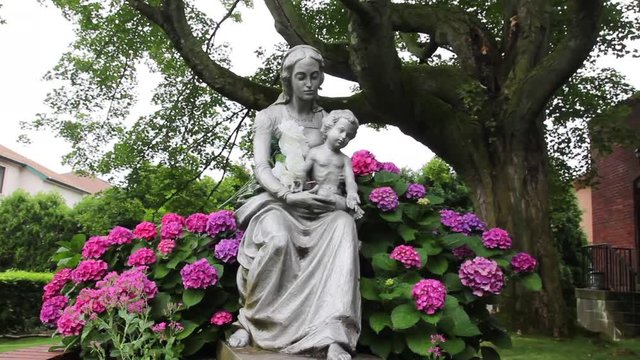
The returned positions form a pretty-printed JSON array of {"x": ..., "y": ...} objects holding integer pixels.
[{"x": 609, "y": 268}]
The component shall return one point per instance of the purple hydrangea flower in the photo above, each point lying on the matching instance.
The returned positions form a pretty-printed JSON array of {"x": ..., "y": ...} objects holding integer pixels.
[
  {"x": 199, "y": 275},
  {"x": 171, "y": 230},
  {"x": 496, "y": 238},
  {"x": 415, "y": 191},
  {"x": 482, "y": 275},
  {"x": 465, "y": 224},
  {"x": 429, "y": 295},
  {"x": 120, "y": 235},
  {"x": 389, "y": 167},
  {"x": 227, "y": 250},
  {"x": 523, "y": 262},
  {"x": 385, "y": 198},
  {"x": 462, "y": 252},
  {"x": 52, "y": 309},
  {"x": 407, "y": 255},
  {"x": 141, "y": 257},
  {"x": 197, "y": 223},
  {"x": 221, "y": 221}
]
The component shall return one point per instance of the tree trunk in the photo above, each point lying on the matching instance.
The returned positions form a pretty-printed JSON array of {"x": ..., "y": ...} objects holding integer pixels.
[{"x": 509, "y": 188}]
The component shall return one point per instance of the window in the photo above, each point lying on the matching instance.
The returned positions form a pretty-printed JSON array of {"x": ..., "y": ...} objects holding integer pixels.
[{"x": 1, "y": 178}]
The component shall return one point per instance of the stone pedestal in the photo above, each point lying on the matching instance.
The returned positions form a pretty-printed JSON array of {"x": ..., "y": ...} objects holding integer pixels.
[{"x": 226, "y": 353}]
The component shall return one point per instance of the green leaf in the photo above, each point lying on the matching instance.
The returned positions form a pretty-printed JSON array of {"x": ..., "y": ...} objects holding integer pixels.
[
  {"x": 371, "y": 248},
  {"x": 160, "y": 271},
  {"x": 469, "y": 353},
  {"x": 400, "y": 187},
  {"x": 451, "y": 303},
  {"x": 453, "y": 241},
  {"x": 431, "y": 319},
  {"x": 431, "y": 247},
  {"x": 413, "y": 212},
  {"x": 418, "y": 342},
  {"x": 189, "y": 326},
  {"x": 379, "y": 321},
  {"x": 383, "y": 262},
  {"x": 382, "y": 178},
  {"x": 453, "y": 346},
  {"x": 159, "y": 305},
  {"x": 430, "y": 223},
  {"x": 404, "y": 316},
  {"x": 368, "y": 289},
  {"x": 452, "y": 282},
  {"x": 437, "y": 265},
  {"x": 463, "y": 326},
  {"x": 407, "y": 233},
  {"x": 393, "y": 216},
  {"x": 381, "y": 347},
  {"x": 191, "y": 297},
  {"x": 435, "y": 200},
  {"x": 423, "y": 256},
  {"x": 77, "y": 242},
  {"x": 532, "y": 282},
  {"x": 489, "y": 353}
]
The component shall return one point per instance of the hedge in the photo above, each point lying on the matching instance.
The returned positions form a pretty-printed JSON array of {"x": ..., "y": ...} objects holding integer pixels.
[{"x": 21, "y": 301}]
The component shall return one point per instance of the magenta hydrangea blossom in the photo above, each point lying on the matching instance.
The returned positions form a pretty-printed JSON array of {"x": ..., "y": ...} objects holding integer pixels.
[
  {"x": 407, "y": 255},
  {"x": 89, "y": 270},
  {"x": 120, "y": 235},
  {"x": 55, "y": 286},
  {"x": 523, "y": 262},
  {"x": 389, "y": 167},
  {"x": 465, "y": 224},
  {"x": 166, "y": 246},
  {"x": 95, "y": 247},
  {"x": 384, "y": 198},
  {"x": 89, "y": 301},
  {"x": 463, "y": 252},
  {"x": 171, "y": 230},
  {"x": 145, "y": 230},
  {"x": 221, "y": 318},
  {"x": 448, "y": 217},
  {"x": 52, "y": 309},
  {"x": 429, "y": 295},
  {"x": 415, "y": 191},
  {"x": 70, "y": 322},
  {"x": 437, "y": 339},
  {"x": 159, "y": 327},
  {"x": 482, "y": 275},
  {"x": 141, "y": 257},
  {"x": 176, "y": 326},
  {"x": 197, "y": 223},
  {"x": 239, "y": 235},
  {"x": 199, "y": 275},
  {"x": 172, "y": 218},
  {"x": 227, "y": 250},
  {"x": 221, "y": 221},
  {"x": 364, "y": 163},
  {"x": 496, "y": 238},
  {"x": 130, "y": 290}
]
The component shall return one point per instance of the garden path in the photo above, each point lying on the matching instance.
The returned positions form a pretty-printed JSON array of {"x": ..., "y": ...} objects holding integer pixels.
[{"x": 34, "y": 353}]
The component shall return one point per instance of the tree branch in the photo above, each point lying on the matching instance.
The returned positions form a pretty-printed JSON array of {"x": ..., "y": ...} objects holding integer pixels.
[
  {"x": 357, "y": 8},
  {"x": 418, "y": 49},
  {"x": 291, "y": 26}
]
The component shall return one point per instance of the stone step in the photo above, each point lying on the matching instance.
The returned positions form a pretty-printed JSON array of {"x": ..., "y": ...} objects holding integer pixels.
[{"x": 227, "y": 353}]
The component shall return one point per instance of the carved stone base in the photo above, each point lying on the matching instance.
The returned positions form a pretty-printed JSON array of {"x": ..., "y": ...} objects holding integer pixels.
[{"x": 227, "y": 353}]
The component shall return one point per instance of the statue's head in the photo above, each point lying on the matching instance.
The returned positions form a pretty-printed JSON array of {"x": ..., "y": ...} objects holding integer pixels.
[
  {"x": 346, "y": 118},
  {"x": 289, "y": 61}
]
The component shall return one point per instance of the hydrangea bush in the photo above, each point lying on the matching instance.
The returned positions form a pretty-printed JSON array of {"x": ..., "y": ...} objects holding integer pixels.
[
  {"x": 159, "y": 291},
  {"x": 428, "y": 272}
]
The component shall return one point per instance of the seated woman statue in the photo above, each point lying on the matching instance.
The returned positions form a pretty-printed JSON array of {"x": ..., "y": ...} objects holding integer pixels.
[{"x": 299, "y": 267}]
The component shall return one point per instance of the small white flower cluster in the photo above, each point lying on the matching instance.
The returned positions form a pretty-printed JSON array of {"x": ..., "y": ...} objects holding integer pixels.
[{"x": 294, "y": 147}]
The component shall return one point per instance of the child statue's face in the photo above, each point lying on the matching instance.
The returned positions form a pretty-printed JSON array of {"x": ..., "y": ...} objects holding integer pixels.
[{"x": 338, "y": 135}]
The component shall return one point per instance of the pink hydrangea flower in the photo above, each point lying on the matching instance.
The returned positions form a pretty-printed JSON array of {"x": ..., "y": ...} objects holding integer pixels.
[
  {"x": 141, "y": 257},
  {"x": 130, "y": 290},
  {"x": 364, "y": 163},
  {"x": 89, "y": 270},
  {"x": 415, "y": 191},
  {"x": 159, "y": 327},
  {"x": 199, "y": 275},
  {"x": 389, "y": 167},
  {"x": 197, "y": 223},
  {"x": 95, "y": 247},
  {"x": 221, "y": 221},
  {"x": 145, "y": 230},
  {"x": 221, "y": 317},
  {"x": 437, "y": 339},
  {"x": 171, "y": 230},
  {"x": 120, "y": 235},
  {"x": 462, "y": 252},
  {"x": 172, "y": 217},
  {"x": 482, "y": 275},
  {"x": 385, "y": 198},
  {"x": 227, "y": 250},
  {"x": 407, "y": 255},
  {"x": 496, "y": 238},
  {"x": 70, "y": 322},
  {"x": 436, "y": 351},
  {"x": 89, "y": 301},
  {"x": 166, "y": 246},
  {"x": 523, "y": 262},
  {"x": 55, "y": 286},
  {"x": 465, "y": 224},
  {"x": 429, "y": 295},
  {"x": 176, "y": 326},
  {"x": 52, "y": 309}
]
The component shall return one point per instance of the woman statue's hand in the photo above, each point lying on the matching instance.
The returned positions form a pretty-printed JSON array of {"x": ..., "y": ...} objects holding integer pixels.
[{"x": 311, "y": 201}]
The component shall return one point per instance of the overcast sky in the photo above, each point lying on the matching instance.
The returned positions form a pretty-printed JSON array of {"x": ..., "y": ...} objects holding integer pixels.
[{"x": 35, "y": 36}]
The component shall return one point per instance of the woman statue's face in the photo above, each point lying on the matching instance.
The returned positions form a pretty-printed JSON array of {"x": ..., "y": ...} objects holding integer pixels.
[{"x": 305, "y": 79}]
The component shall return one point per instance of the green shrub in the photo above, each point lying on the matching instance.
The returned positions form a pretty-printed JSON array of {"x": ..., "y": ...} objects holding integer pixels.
[{"x": 21, "y": 300}]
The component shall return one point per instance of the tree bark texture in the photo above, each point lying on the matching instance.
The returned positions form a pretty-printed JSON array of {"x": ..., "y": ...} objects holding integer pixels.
[{"x": 483, "y": 116}]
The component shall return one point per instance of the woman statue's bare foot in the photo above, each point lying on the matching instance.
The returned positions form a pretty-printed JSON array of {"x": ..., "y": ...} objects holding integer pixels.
[
  {"x": 240, "y": 338},
  {"x": 336, "y": 352}
]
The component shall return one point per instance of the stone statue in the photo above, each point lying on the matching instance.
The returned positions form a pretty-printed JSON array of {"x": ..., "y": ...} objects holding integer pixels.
[{"x": 299, "y": 267}]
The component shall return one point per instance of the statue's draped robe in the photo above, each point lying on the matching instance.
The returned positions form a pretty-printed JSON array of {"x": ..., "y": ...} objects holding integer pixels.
[{"x": 298, "y": 279}]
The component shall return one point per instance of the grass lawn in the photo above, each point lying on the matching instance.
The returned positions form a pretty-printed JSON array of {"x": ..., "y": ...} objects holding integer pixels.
[
  {"x": 14, "y": 344},
  {"x": 544, "y": 348}
]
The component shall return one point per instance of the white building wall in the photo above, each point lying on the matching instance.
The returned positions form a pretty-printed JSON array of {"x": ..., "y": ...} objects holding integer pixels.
[{"x": 71, "y": 197}]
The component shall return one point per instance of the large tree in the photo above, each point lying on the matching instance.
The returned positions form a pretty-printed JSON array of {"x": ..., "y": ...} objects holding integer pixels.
[{"x": 470, "y": 79}]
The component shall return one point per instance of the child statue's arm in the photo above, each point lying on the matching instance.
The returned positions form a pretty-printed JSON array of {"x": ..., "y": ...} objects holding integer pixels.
[{"x": 350, "y": 184}]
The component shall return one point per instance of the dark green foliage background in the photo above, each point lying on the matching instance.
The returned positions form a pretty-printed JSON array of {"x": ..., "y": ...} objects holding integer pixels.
[{"x": 20, "y": 301}]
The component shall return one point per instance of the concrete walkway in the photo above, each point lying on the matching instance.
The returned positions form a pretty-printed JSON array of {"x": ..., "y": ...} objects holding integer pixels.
[{"x": 35, "y": 353}]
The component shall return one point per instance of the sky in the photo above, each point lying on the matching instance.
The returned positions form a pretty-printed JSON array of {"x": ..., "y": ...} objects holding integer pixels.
[{"x": 35, "y": 36}]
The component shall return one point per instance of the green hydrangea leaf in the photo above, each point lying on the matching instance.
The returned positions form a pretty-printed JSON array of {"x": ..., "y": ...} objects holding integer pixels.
[
  {"x": 453, "y": 346},
  {"x": 407, "y": 233},
  {"x": 532, "y": 282},
  {"x": 452, "y": 282},
  {"x": 435, "y": 200},
  {"x": 379, "y": 320},
  {"x": 383, "y": 262},
  {"x": 368, "y": 289},
  {"x": 381, "y": 347},
  {"x": 191, "y": 297},
  {"x": 404, "y": 316},
  {"x": 437, "y": 265}
]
